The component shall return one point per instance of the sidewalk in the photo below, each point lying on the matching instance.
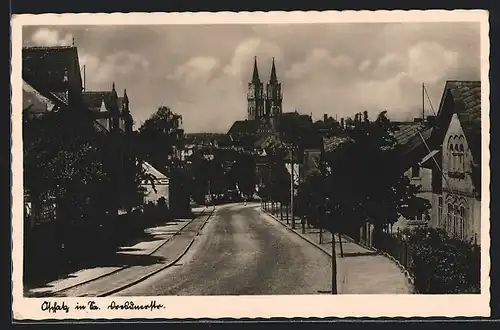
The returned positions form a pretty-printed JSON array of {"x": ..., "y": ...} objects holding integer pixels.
[
  {"x": 124, "y": 257},
  {"x": 360, "y": 271}
]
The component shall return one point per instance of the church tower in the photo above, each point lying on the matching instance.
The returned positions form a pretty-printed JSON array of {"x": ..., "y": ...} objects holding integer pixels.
[
  {"x": 274, "y": 98},
  {"x": 255, "y": 96},
  {"x": 126, "y": 116}
]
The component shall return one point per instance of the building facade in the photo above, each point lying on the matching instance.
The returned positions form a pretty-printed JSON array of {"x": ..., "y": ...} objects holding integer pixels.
[
  {"x": 265, "y": 106},
  {"x": 110, "y": 110},
  {"x": 459, "y": 205},
  {"x": 447, "y": 165},
  {"x": 457, "y": 146}
]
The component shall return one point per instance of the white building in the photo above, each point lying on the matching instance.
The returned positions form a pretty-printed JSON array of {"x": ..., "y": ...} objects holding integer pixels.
[
  {"x": 158, "y": 188},
  {"x": 457, "y": 190},
  {"x": 450, "y": 173}
]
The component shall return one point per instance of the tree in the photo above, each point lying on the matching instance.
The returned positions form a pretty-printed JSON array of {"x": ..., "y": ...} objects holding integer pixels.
[
  {"x": 160, "y": 139},
  {"x": 65, "y": 159},
  {"x": 243, "y": 173},
  {"x": 364, "y": 180},
  {"x": 66, "y": 164},
  {"x": 310, "y": 200},
  {"x": 160, "y": 136}
]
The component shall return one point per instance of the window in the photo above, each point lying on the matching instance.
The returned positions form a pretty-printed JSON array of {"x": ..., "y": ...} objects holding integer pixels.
[
  {"x": 463, "y": 233},
  {"x": 415, "y": 171},
  {"x": 449, "y": 218},
  {"x": 456, "y": 159},
  {"x": 455, "y": 219},
  {"x": 460, "y": 153},
  {"x": 451, "y": 159},
  {"x": 418, "y": 217}
]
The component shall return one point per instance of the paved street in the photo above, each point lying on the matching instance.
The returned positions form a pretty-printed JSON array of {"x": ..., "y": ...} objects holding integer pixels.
[
  {"x": 361, "y": 270},
  {"x": 241, "y": 251},
  {"x": 151, "y": 252},
  {"x": 238, "y": 250}
]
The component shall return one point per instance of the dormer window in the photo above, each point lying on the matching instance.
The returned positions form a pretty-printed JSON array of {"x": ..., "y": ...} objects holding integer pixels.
[
  {"x": 103, "y": 107},
  {"x": 456, "y": 156}
]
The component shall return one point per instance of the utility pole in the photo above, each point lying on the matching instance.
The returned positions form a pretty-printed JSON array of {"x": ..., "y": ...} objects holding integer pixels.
[
  {"x": 423, "y": 101},
  {"x": 334, "y": 266}
]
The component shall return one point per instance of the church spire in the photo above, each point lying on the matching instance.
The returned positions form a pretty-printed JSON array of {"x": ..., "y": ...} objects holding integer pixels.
[
  {"x": 255, "y": 76},
  {"x": 273, "y": 79}
]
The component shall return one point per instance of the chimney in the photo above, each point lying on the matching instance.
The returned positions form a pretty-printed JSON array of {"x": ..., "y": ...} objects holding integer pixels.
[{"x": 325, "y": 117}]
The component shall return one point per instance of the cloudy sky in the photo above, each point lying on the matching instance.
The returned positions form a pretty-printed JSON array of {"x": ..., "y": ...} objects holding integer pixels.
[{"x": 202, "y": 71}]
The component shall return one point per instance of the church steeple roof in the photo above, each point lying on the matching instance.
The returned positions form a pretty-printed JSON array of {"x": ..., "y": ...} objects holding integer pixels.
[
  {"x": 255, "y": 76},
  {"x": 273, "y": 79}
]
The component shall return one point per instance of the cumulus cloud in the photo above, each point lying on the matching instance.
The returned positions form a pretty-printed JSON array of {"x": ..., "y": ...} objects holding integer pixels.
[
  {"x": 241, "y": 63},
  {"x": 212, "y": 92},
  {"x": 317, "y": 61},
  {"x": 388, "y": 59},
  {"x": 48, "y": 37},
  {"x": 430, "y": 61},
  {"x": 395, "y": 85},
  {"x": 196, "y": 70},
  {"x": 365, "y": 65},
  {"x": 202, "y": 72},
  {"x": 104, "y": 70}
]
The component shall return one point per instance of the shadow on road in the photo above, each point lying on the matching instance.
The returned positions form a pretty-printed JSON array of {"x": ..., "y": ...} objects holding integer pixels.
[{"x": 118, "y": 253}]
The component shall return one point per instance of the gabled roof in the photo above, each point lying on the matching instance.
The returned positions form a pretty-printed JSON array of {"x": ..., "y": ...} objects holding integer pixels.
[
  {"x": 244, "y": 127},
  {"x": 93, "y": 100},
  {"x": 48, "y": 66},
  {"x": 332, "y": 143},
  {"x": 35, "y": 101},
  {"x": 291, "y": 121},
  {"x": 159, "y": 176},
  {"x": 466, "y": 98},
  {"x": 407, "y": 130},
  {"x": 412, "y": 142}
]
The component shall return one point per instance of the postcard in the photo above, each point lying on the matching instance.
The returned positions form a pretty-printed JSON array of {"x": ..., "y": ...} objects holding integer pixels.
[{"x": 250, "y": 165}]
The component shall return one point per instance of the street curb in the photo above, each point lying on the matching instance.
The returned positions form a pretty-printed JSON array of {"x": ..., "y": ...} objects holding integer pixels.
[
  {"x": 409, "y": 277},
  {"x": 328, "y": 253},
  {"x": 128, "y": 285},
  {"x": 123, "y": 267}
]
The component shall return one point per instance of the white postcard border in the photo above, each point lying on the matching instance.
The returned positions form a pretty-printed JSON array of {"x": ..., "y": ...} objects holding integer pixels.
[{"x": 251, "y": 306}]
